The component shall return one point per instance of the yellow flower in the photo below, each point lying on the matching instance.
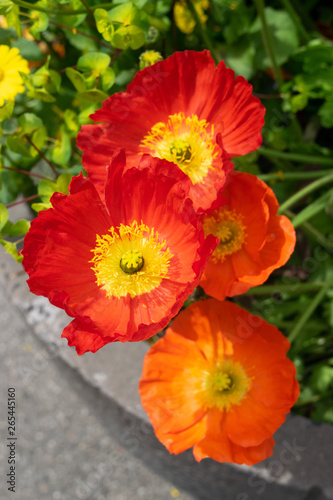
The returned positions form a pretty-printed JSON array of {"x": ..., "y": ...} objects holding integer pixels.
[
  {"x": 184, "y": 18},
  {"x": 149, "y": 58},
  {"x": 11, "y": 82}
]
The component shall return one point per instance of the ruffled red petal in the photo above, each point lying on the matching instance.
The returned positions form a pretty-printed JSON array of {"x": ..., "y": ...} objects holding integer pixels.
[
  {"x": 186, "y": 82},
  {"x": 58, "y": 251}
]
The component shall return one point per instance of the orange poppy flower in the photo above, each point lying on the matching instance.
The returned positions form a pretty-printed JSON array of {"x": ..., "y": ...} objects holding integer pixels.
[
  {"x": 253, "y": 239},
  {"x": 182, "y": 109},
  {"x": 124, "y": 268},
  {"x": 219, "y": 381}
]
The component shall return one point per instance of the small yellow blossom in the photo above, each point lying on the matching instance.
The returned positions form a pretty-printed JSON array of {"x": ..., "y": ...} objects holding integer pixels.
[
  {"x": 184, "y": 18},
  {"x": 149, "y": 58},
  {"x": 11, "y": 82}
]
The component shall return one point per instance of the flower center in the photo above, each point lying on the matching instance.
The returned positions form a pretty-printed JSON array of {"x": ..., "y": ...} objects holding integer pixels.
[
  {"x": 2, "y": 74},
  {"x": 181, "y": 150},
  {"x": 130, "y": 260},
  {"x": 228, "y": 227},
  {"x": 186, "y": 141},
  {"x": 226, "y": 385}
]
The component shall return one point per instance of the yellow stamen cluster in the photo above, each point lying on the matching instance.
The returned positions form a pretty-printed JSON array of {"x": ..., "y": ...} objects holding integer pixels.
[
  {"x": 225, "y": 385},
  {"x": 228, "y": 227},
  {"x": 186, "y": 141},
  {"x": 130, "y": 260}
]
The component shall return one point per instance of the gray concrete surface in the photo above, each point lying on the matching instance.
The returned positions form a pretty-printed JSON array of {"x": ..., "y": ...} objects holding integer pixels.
[{"x": 82, "y": 433}]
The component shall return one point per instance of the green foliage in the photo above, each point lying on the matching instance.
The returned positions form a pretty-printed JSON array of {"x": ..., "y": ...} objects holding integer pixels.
[
  {"x": 284, "y": 38},
  {"x": 5, "y": 7},
  {"x": 104, "y": 24},
  {"x": 47, "y": 188},
  {"x": 6, "y": 111},
  {"x": 41, "y": 22}
]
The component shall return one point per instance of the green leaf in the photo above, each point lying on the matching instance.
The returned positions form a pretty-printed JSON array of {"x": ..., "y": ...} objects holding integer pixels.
[
  {"x": 239, "y": 57},
  {"x": 41, "y": 22},
  {"x": 84, "y": 115},
  {"x": 108, "y": 78},
  {"x": 29, "y": 122},
  {"x": 38, "y": 138},
  {"x": 19, "y": 228},
  {"x": 80, "y": 41},
  {"x": 13, "y": 19},
  {"x": 62, "y": 152},
  {"x": 47, "y": 188},
  {"x": 314, "y": 57},
  {"x": 67, "y": 20},
  {"x": 128, "y": 15},
  {"x": 128, "y": 36},
  {"x": 71, "y": 121},
  {"x": 104, "y": 24},
  {"x": 326, "y": 114},
  {"x": 77, "y": 79},
  {"x": 41, "y": 95},
  {"x": 322, "y": 378},
  {"x": 38, "y": 207},
  {"x": 298, "y": 102},
  {"x": 11, "y": 249},
  {"x": 93, "y": 61},
  {"x": 6, "y": 111},
  {"x": 7, "y": 35},
  {"x": 93, "y": 95},
  {"x": 54, "y": 82},
  {"x": 284, "y": 37},
  {"x": 18, "y": 145},
  {"x": 3, "y": 216},
  {"x": 5, "y": 7},
  {"x": 47, "y": 78},
  {"x": 313, "y": 209},
  {"x": 29, "y": 49},
  {"x": 27, "y": 81}
]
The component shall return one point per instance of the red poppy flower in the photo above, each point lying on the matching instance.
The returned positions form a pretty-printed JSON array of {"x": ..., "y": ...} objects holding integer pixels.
[
  {"x": 182, "y": 109},
  {"x": 123, "y": 269},
  {"x": 219, "y": 381},
  {"x": 253, "y": 239}
]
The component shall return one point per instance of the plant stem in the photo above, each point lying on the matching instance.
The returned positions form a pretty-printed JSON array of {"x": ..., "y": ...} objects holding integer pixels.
[
  {"x": 79, "y": 32},
  {"x": 31, "y": 174},
  {"x": 286, "y": 288},
  {"x": 87, "y": 7},
  {"x": 298, "y": 157},
  {"x": 29, "y": 6},
  {"x": 42, "y": 155},
  {"x": 310, "y": 309},
  {"x": 203, "y": 34},
  {"x": 313, "y": 209},
  {"x": 296, "y": 20},
  {"x": 281, "y": 176},
  {"x": 312, "y": 231},
  {"x": 33, "y": 197},
  {"x": 305, "y": 191},
  {"x": 268, "y": 41}
]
